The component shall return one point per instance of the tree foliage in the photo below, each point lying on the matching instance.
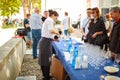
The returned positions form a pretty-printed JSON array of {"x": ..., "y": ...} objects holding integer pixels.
[
  {"x": 9, "y": 7},
  {"x": 28, "y": 5}
]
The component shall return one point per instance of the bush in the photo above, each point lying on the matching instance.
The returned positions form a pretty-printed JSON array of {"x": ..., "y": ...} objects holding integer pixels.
[
  {"x": 8, "y": 26},
  {"x": 57, "y": 22}
]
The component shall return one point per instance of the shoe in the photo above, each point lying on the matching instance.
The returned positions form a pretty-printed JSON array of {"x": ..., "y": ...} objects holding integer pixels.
[
  {"x": 52, "y": 78},
  {"x": 35, "y": 57}
]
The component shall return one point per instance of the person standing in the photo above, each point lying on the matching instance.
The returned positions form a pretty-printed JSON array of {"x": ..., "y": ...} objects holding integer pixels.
[
  {"x": 45, "y": 46},
  {"x": 66, "y": 22},
  {"x": 45, "y": 16},
  {"x": 115, "y": 33},
  {"x": 108, "y": 23},
  {"x": 85, "y": 22},
  {"x": 78, "y": 21},
  {"x": 35, "y": 25},
  {"x": 27, "y": 27},
  {"x": 97, "y": 34}
]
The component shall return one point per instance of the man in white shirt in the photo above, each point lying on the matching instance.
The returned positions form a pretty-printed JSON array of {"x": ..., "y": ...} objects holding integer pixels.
[
  {"x": 85, "y": 22},
  {"x": 35, "y": 25},
  {"x": 65, "y": 23}
]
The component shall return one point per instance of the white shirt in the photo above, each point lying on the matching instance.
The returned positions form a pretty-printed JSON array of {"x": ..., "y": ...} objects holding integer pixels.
[
  {"x": 85, "y": 23},
  {"x": 35, "y": 21},
  {"x": 65, "y": 22},
  {"x": 47, "y": 26}
]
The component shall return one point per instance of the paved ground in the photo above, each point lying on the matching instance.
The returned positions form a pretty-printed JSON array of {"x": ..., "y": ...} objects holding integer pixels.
[{"x": 30, "y": 66}]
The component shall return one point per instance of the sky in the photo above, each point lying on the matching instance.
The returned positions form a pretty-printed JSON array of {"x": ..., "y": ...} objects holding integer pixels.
[{"x": 73, "y": 7}]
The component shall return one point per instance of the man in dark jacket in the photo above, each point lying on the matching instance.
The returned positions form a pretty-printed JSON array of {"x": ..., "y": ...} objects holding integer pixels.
[
  {"x": 115, "y": 33},
  {"x": 46, "y": 15}
]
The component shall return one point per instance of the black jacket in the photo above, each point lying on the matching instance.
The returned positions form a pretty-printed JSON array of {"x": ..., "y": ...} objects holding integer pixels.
[
  {"x": 96, "y": 27},
  {"x": 115, "y": 38}
]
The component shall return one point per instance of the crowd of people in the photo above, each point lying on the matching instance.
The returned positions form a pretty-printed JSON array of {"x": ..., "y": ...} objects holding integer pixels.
[{"x": 94, "y": 29}]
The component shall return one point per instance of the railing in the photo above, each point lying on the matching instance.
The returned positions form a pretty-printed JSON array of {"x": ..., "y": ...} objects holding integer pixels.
[{"x": 11, "y": 57}]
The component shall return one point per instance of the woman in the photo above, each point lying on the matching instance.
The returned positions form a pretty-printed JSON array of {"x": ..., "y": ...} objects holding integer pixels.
[
  {"x": 97, "y": 29},
  {"x": 45, "y": 47}
]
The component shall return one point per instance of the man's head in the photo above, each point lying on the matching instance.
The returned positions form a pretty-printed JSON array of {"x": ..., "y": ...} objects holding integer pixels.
[
  {"x": 28, "y": 16},
  {"x": 66, "y": 13},
  {"x": 89, "y": 11},
  {"x": 46, "y": 14},
  {"x": 36, "y": 10},
  {"x": 115, "y": 13}
]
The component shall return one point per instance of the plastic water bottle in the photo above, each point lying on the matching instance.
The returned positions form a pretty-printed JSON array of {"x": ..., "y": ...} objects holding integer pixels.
[
  {"x": 71, "y": 54},
  {"x": 80, "y": 50},
  {"x": 69, "y": 45},
  {"x": 74, "y": 56}
]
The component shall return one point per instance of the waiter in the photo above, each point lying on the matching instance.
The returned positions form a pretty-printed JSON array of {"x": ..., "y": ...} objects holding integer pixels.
[{"x": 45, "y": 46}]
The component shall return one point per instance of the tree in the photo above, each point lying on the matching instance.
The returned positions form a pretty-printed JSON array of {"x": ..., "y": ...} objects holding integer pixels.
[
  {"x": 9, "y": 7},
  {"x": 30, "y": 4}
]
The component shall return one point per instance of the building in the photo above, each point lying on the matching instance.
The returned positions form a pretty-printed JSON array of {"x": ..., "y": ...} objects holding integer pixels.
[{"x": 103, "y": 5}]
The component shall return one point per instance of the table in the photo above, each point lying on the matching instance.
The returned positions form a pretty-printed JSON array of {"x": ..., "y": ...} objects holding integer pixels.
[{"x": 96, "y": 62}]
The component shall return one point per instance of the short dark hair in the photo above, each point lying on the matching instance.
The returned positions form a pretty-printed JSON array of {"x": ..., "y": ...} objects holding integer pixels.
[
  {"x": 115, "y": 9},
  {"x": 89, "y": 9},
  {"x": 27, "y": 15},
  {"x": 45, "y": 11},
  {"x": 66, "y": 13}
]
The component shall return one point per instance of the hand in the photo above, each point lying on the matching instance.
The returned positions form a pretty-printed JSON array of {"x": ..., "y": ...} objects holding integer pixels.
[
  {"x": 84, "y": 35},
  {"x": 57, "y": 40},
  {"x": 114, "y": 55},
  {"x": 94, "y": 35}
]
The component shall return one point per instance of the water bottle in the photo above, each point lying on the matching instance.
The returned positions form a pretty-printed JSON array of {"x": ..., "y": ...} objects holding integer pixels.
[
  {"x": 69, "y": 45},
  {"x": 71, "y": 54},
  {"x": 80, "y": 50},
  {"x": 74, "y": 56}
]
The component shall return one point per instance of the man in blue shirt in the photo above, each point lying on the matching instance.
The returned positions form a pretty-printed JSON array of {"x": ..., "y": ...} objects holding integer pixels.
[
  {"x": 27, "y": 27},
  {"x": 35, "y": 25}
]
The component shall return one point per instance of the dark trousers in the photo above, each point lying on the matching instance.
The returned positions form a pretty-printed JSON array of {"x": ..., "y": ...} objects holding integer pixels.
[
  {"x": 46, "y": 72},
  {"x": 78, "y": 24}
]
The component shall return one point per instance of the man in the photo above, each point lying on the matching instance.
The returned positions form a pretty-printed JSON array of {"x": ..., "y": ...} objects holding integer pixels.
[
  {"x": 66, "y": 23},
  {"x": 85, "y": 22},
  {"x": 46, "y": 15},
  {"x": 78, "y": 22},
  {"x": 35, "y": 25},
  {"x": 115, "y": 33},
  {"x": 27, "y": 27}
]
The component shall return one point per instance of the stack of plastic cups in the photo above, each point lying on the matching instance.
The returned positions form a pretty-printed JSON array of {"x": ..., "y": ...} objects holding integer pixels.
[{"x": 85, "y": 62}]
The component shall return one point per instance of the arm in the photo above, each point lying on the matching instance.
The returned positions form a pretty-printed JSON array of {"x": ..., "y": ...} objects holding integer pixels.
[
  {"x": 52, "y": 29},
  {"x": 97, "y": 33},
  {"x": 102, "y": 29},
  {"x": 27, "y": 25}
]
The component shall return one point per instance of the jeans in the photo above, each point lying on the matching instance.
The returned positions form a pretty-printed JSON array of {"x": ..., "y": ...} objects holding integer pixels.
[
  {"x": 29, "y": 35},
  {"x": 36, "y": 35},
  {"x": 66, "y": 32}
]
